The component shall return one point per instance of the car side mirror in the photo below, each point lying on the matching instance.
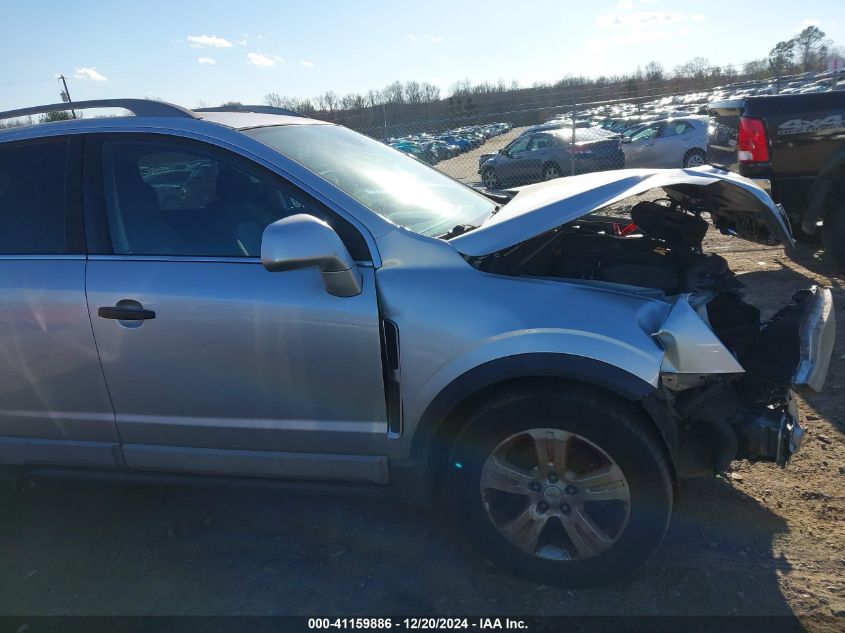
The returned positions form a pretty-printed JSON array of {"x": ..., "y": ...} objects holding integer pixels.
[
  {"x": 626, "y": 139},
  {"x": 303, "y": 241},
  {"x": 503, "y": 152}
]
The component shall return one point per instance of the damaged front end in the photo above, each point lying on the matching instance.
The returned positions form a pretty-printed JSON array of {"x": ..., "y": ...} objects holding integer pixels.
[
  {"x": 750, "y": 413},
  {"x": 728, "y": 377}
]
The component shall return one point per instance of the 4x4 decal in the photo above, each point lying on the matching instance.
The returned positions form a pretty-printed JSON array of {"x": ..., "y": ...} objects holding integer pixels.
[{"x": 805, "y": 126}]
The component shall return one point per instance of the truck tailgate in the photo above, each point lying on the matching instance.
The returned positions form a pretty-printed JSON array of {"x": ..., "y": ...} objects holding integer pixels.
[{"x": 722, "y": 134}]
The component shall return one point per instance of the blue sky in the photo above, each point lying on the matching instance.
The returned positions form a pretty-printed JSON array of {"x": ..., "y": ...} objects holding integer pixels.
[{"x": 211, "y": 51}]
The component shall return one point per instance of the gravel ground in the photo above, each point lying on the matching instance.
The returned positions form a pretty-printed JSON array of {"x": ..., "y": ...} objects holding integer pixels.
[
  {"x": 760, "y": 541},
  {"x": 464, "y": 167}
]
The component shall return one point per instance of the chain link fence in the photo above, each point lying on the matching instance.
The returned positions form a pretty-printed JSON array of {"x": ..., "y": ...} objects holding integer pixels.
[{"x": 496, "y": 137}]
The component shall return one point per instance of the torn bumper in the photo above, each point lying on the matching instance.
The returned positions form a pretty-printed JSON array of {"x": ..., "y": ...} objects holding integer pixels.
[{"x": 816, "y": 335}]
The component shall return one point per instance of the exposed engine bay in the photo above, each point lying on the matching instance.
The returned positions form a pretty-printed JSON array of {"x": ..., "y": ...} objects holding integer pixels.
[{"x": 658, "y": 250}]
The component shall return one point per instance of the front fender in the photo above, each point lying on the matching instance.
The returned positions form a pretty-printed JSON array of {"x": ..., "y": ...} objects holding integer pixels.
[{"x": 528, "y": 365}]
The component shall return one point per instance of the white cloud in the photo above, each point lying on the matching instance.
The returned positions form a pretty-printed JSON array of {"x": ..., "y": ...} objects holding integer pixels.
[
  {"x": 279, "y": 59},
  {"x": 206, "y": 60},
  {"x": 643, "y": 27},
  {"x": 411, "y": 36},
  {"x": 307, "y": 64},
  {"x": 434, "y": 39},
  {"x": 91, "y": 74},
  {"x": 625, "y": 5},
  {"x": 639, "y": 19},
  {"x": 208, "y": 41},
  {"x": 260, "y": 60}
]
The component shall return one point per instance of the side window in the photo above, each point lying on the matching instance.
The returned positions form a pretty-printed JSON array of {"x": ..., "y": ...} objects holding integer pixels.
[
  {"x": 539, "y": 142},
  {"x": 674, "y": 129},
  {"x": 33, "y": 199},
  {"x": 519, "y": 145},
  {"x": 647, "y": 133},
  {"x": 186, "y": 199}
]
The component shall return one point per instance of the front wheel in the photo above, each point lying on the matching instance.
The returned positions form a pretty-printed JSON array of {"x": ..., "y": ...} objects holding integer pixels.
[
  {"x": 490, "y": 179},
  {"x": 564, "y": 486},
  {"x": 695, "y": 158}
]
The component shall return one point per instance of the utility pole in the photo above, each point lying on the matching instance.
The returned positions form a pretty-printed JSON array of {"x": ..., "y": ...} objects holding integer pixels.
[{"x": 66, "y": 94}]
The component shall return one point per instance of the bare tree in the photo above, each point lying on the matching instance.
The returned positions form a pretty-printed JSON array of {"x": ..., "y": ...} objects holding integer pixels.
[
  {"x": 328, "y": 101},
  {"x": 413, "y": 92},
  {"x": 430, "y": 92},
  {"x": 394, "y": 93},
  {"x": 654, "y": 71},
  {"x": 461, "y": 88}
]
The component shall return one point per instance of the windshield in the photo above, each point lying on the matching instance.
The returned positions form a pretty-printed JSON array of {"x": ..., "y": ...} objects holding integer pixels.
[{"x": 388, "y": 182}]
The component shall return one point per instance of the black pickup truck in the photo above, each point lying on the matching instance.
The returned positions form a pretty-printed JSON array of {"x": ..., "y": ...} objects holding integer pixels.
[{"x": 794, "y": 147}]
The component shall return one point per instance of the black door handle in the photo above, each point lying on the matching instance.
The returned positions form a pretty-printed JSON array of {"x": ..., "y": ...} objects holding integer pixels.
[{"x": 125, "y": 314}]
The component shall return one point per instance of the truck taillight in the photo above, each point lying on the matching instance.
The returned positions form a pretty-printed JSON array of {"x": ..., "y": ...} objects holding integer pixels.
[{"x": 751, "y": 143}]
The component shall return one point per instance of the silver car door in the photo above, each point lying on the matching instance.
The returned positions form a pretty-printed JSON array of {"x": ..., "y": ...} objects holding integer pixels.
[
  {"x": 537, "y": 155},
  {"x": 642, "y": 151},
  {"x": 54, "y": 406},
  {"x": 672, "y": 144},
  {"x": 512, "y": 165},
  {"x": 213, "y": 363}
]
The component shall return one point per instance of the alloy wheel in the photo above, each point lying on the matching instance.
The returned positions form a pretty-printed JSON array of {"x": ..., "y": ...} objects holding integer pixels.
[
  {"x": 490, "y": 179},
  {"x": 555, "y": 495},
  {"x": 696, "y": 159},
  {"x": 550, "y": 172}
]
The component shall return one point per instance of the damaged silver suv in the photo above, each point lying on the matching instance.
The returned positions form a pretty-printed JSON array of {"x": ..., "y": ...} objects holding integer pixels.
[{"x": 253, "y": 293}]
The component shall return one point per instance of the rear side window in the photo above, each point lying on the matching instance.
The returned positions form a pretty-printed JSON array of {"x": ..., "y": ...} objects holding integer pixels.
[
  {"x": 540, "y": 142},
  {"x": 675, "y": 128},
  {"x": 33, "y": 199}
]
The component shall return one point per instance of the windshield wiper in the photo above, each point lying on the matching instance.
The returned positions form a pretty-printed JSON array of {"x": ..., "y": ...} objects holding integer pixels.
[{"x": 455, "y": 231}]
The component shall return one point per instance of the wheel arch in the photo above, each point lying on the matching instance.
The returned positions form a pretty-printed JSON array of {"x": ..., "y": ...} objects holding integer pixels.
[
  {"x": 826, "y": 184},
  {"x": 441, "y": 425},
  {"x": 694, "y": 150}
]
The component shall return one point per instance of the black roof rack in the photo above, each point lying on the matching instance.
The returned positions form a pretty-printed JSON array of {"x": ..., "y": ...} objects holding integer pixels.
[
  {"x": 138, "y": 107},
  {"x": 258, "y": 109}
]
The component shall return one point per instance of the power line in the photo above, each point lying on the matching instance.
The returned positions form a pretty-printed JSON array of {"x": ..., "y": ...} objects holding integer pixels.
[{"x": 31, "y": 81}]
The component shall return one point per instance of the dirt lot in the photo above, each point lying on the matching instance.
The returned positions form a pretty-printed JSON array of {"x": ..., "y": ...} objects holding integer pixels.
[
  {"x": 762, "y": 541},
  {"x": 464, "y": 167}
]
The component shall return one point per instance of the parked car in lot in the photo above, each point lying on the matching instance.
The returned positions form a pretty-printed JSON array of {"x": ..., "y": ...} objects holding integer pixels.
[
  {"x": 326, "y": 308},
  {"x": 794, "y": 146},
  {"x": 676, "y": 142},
  {"x": 544, "y": 156},
  {"x": 418, "y": 151}
]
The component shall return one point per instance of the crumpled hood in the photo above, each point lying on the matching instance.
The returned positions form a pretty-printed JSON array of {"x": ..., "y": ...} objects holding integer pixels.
[{"x": 542, "y": 207}]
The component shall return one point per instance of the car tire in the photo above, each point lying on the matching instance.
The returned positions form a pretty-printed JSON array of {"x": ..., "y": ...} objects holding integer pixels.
[
  {"x": 490, "y": 179},
  {"x": 695, "y": 158},
  {"x": 584, "y": 539},
  {"x": 551, "y": 171},
  {"x": 833, "y": 232}
]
